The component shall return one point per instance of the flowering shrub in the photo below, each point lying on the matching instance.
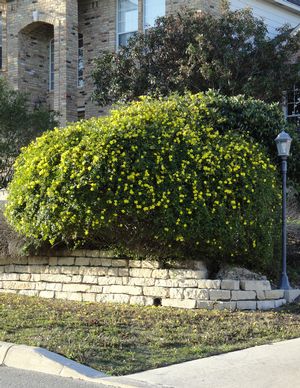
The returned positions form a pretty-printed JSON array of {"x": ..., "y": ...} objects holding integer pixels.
[{"x": 150, "y": 178}]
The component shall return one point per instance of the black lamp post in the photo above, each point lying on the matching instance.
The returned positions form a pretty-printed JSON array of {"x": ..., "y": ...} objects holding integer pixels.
[{"x": 283, "y": 143}]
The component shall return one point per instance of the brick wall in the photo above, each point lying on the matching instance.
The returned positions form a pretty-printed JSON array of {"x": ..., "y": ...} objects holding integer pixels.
[
  {"x": 28, "y": 27},
  {"x": 98, "y": 276}
]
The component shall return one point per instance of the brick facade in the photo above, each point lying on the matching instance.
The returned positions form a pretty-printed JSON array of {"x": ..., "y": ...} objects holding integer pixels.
[{"x": 28, "y": 28}]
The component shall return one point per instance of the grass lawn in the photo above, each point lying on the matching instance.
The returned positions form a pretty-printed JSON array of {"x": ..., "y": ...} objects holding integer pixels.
[{"x": 122, "y": 339}]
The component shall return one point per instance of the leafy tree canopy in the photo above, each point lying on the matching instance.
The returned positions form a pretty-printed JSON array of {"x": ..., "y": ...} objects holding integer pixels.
[
  {"x": 198, "y": 51},
  {"x": 18, "y": 126}
]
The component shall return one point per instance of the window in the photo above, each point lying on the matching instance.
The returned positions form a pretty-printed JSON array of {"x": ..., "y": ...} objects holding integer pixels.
[
  {"x": 51, "y": 65},
  {"x": 81, "y": 113},
  {"x": 152, "y": 10},
  {"x": 0, "y": 40},
  {"x": 127, "y": 20},
  {"x": 292, "y": 106},
  {"x": 128, "y": 17},
  {"x": 80, "y": 82}
]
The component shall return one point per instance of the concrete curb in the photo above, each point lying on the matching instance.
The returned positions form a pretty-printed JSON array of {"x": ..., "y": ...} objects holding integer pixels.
[{"x": 37, "y": 359}]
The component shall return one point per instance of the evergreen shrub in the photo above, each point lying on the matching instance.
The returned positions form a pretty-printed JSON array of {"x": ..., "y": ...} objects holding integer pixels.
[{"x": 152, "y": 178}]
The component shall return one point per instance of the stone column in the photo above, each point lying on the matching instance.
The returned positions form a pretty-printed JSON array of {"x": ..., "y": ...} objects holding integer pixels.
[{"x": 65, "y": 62}]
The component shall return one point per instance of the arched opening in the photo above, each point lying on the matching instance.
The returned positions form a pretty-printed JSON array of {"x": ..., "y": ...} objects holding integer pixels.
[{"x": 36, "y": 63}]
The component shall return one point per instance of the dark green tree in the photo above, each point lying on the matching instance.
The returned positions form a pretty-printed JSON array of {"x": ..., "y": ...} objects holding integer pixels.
[
  {"x": 196, "y": 52},
  {"x": 18, "y": 126}
]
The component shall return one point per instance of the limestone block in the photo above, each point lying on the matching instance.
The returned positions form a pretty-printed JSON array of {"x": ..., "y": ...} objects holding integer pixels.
[
  {"x": 110, "y": 254},
  {"x": 76, "y": 279},
  {"x": 18, "y": 260},
  {"x": 207, "y": 283},
  {"x": 71, "y": 270},
  {"x": 187, "y": 274},
  {"x": 255, "y": 285},
  {"x": 29, "y": 292},
  {"x": 96, "y": 289},
  {"x": 76, "y": 287},
  {"x": 123, "y": 271},
  {"x": 113, "y": 272},
  {"x": 53, "y": 261},
  {"x": 47, "y": 294},
  {"x": 88, "y": 297},
  {"x": 53, "y": 270},
  {"x": 104, "y": 281},
  {"x": 104, "y": 298},
  {"x": 125, "y": 281},
  {"x": 39, "y": 260},
  {"x": 119, "y": 263},
  {"x": 228, "y": 284},
  {"x": 243, "y": 295},
  {"x": 160, "y": 273},
  {"x": 35, "y": 277},
  {"x": 225, "y": 306},
  {"x": 92, "y": 271},
  {"x": 166, "y": 283},
  {"x": 25, "y": 277},
  {"x": 148, "y": 282},
  {"x": 140, "y": 272},
  {"x": 265, "y": 304},
  {"x": 219, "y": 294},
  {"x": 185, "y": 303},
  {"x": 246, "y": 305},
  {"x": 79, "y": 253},
  {"x": 291, "y": 295},
  {"x": 9, "y": 276},
  {"x": 1, "y": 269},
  {"x": 205, "y": 304},
  {"x": 196, "y": 293},
  {"x": 176, "y": 293},
  {"x": 190, "y": 283},
  {"x": 22, "y": 268},
  {"x": 8, "y": 291},
  {"x": 9, "y": 268},
  {"x": 116, "y": 289},
  {"x": 38, "y": 268},
  {"x": 94, "y": 253},
  {"x": 61, "y": 295},
  {"x": 15, "y": 285},
  {"x": 55, "y": 278},
  {"x": 260, "y": 295},
  {"x": 101, "y": 262},
  {"x": 274, "y": 294},
  {"x": 121, "y": 298},
  {"x": 141, "y": 300},
  {"x": 279, "y": 302},
  {"x": 54, "y": 286},
  {"x": 66, "y": 261},
  {"x": 152, "y": 264},
  {"x": 156, "y": 291},
  {"x": 135, "y": 264},
  {"x": 82, "y": 261},
  {"x": 41, "y": 286},
  {"x": 90, "y": 279},
  {"x": 77, "y": 296}
]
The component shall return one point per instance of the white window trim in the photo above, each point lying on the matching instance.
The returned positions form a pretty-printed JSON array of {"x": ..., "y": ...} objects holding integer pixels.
[{"x": 51, "y": 74}]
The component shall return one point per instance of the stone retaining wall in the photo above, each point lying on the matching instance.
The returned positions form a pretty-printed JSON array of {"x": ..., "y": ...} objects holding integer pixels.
[{"x": 97, "y": 276}]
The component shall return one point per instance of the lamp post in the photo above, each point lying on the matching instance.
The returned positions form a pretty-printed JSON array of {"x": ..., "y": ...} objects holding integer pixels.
[{"x": 283, "y": 143}]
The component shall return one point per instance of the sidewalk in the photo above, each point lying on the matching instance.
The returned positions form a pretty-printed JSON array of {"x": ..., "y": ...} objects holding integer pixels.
[{"x": 268, "y": 366}]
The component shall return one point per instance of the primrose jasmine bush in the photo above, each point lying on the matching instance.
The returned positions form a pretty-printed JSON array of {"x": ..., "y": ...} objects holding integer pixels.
[{"x": 150, "y": 178}]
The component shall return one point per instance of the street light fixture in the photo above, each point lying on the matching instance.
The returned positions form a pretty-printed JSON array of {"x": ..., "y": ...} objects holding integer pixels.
[{"x": 283, "y": 143}]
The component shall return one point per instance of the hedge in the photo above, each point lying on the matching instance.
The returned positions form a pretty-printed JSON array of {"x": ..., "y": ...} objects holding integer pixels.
[{"x": 151, "y": 178}]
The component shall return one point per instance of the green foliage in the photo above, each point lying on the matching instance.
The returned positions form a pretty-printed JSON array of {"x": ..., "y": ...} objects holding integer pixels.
[
  {"x": 231, "y": 53},
  {"x": 260, "y": 120},
  {"x": 154, "y": 178},
  {"x": 18, "y": 126}
]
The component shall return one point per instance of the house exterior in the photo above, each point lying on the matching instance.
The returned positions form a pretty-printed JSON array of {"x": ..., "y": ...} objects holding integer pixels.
[{"x": 47, "y": 47}]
